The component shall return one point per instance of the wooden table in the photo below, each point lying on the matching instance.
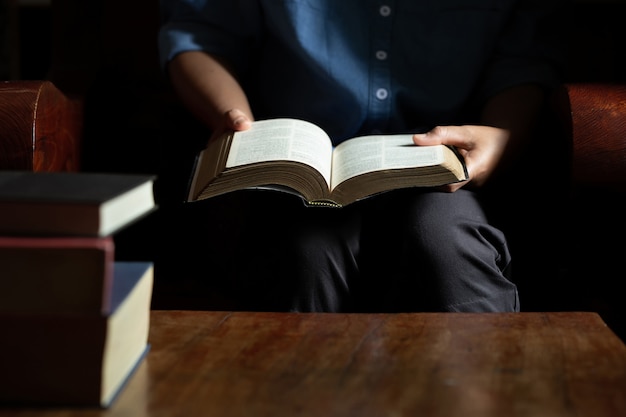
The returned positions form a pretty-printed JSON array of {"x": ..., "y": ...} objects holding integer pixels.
[{"x": 215, "y": 364}]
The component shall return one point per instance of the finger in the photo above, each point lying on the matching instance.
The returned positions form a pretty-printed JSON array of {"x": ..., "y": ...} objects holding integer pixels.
[{"x": 237, "y": 119}]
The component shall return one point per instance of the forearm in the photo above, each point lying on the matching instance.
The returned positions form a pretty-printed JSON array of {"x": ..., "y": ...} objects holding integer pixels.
[{"x": 206, "y": 87}]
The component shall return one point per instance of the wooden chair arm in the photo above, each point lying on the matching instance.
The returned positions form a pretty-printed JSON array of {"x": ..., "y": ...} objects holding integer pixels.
[
  {"x": 40, "y": 127},
  {"x": 598, "y": 131}
]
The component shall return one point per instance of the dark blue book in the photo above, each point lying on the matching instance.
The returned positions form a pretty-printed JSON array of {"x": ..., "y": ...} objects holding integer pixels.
[{"x": 72, "y": 203}]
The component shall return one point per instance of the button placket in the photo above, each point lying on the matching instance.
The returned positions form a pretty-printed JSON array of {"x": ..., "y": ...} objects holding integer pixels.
[
  {"x": 380, "y": 82},
  {"x": 382, "y": 93}
]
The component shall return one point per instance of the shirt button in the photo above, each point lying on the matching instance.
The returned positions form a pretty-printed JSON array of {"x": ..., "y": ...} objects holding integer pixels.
[
  {"x": 381, "y": 55},
  {"x": 382, "y": 94},
  {"x": 384, "y": 11}
]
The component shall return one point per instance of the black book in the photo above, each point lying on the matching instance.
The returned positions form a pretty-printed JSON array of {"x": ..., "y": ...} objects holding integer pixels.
[{"x": 72, "y": 203}]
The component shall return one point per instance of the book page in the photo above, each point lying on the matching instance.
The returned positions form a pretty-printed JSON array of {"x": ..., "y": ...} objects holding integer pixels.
[
  {"x": 371, "y": 153},
  {"x": 292, "y": 140}
]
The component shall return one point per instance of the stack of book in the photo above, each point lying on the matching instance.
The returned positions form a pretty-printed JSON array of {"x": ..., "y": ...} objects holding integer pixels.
[{"x": 74, "y": 320}]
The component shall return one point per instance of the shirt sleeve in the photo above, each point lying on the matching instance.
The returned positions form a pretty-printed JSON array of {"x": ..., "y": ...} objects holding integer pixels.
[{"x": 214, "y": 26}]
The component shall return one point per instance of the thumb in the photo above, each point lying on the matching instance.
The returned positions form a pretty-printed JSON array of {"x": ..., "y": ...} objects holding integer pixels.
[
  {"x": 237, "y": 119},
  {"x": 459, "y": 136},
  {"x": 435, "y": 136}
]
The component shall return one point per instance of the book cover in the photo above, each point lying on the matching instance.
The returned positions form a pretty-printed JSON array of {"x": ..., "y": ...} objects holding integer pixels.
[
  {"x": 56, "y": 274},
  {"x": 72, "y": 203},
  {"x": 74, "y": 359}
]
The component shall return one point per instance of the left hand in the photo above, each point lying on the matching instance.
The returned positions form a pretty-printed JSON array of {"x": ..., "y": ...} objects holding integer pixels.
[{"x": 481, "y": 146}]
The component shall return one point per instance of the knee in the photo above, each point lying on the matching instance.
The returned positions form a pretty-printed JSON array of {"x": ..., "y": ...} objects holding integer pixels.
[{"x": 442, "y": 218}]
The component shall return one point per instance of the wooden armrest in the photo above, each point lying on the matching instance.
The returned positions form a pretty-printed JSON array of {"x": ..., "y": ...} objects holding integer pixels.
[
  {"x": 598, "y": 129},
  {"x": 40, "y": 127}
]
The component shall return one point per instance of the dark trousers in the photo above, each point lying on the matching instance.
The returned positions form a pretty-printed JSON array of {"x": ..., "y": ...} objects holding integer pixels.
[{"x": 410, "y": 250}]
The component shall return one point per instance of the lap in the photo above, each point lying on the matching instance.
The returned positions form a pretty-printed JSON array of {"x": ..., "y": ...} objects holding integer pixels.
[{"x": 386, "y": 243}]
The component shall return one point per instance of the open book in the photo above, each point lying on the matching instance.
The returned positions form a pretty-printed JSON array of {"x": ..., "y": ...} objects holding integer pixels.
[{"x": 298, "y": 157}]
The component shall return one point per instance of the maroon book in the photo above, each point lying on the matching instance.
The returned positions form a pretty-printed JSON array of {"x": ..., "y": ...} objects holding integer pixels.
[{"x": 56, "y": 274}]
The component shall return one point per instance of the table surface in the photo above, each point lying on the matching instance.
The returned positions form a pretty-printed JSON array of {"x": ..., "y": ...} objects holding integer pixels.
[{"x": 218, "y": 364}]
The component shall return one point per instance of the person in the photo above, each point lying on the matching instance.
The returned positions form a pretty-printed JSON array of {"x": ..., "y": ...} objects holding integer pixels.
[{"x": 473, "y": 74}]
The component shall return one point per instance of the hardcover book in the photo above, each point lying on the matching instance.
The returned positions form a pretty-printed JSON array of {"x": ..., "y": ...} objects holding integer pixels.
[
  {"x": 298, "y": 157},
  {"x": 72, "y": 203},
  {"x": 78, "y": 359},
  {"x": 65, "y": 274}
]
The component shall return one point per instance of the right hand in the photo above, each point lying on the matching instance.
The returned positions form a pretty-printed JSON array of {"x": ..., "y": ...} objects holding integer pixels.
[{"x": 482, "y": 148}]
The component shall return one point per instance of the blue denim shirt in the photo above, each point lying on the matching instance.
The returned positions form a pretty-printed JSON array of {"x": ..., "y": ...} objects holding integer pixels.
[{"x": 363, "y": 66}]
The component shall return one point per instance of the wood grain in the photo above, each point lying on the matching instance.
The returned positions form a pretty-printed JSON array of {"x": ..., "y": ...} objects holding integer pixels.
[
  {"x": 450, "y": 364},
  {"x": 598, "y": 113},
  {"x": 40, "y": 127}
]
